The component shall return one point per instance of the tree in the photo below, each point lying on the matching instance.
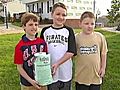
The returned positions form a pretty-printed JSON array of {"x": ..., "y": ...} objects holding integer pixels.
[{"x": 114, "y": 12}]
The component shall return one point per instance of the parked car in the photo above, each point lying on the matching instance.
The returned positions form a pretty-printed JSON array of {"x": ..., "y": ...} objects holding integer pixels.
[{"x": 118, "y": 28}]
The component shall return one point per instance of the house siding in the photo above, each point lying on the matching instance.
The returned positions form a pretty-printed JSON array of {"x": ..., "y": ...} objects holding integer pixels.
[{"x": 74, "y": 9}]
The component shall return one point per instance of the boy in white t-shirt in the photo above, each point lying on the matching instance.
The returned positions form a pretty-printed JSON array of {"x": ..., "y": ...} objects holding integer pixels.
[{"x": 61, "y": 46}]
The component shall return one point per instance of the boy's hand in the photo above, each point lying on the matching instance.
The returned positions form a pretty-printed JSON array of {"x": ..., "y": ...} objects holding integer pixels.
[
  {"x": 101, "y": 73},
  {"x": 54, "y": 68},
  {"x": 35, "y": 84}
]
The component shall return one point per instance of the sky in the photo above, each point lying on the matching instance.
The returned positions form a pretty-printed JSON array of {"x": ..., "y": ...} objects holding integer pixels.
[{"x": 103, "y": 5}]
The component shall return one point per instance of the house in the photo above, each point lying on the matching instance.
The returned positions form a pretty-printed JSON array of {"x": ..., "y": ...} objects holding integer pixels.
[
  {"x": 12, "y": 6},
  {"x": 102, "y": 21},
  {"x": 20, "y": 7},
  {"x": 1, "y": 10},
  {"x": 75, "y": 8}
]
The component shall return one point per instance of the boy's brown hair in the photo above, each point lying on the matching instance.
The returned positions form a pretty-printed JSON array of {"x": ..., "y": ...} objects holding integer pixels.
[
  {"x": 58, "y": 5},
  {"x": 87, "y": 14},
  {"x": 29, "y": 16}
]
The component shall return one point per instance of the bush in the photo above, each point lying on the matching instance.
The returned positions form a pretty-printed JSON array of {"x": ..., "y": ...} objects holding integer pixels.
[
  {"x": 17, "y": 23},
  {"x": 46, "y": 21},
  {"x": 1, "y": 19},
  {"x": 118, "y": 28}
]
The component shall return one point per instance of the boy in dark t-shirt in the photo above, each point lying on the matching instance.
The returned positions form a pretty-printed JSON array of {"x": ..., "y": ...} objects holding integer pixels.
[{"x": 25, "y": 50}]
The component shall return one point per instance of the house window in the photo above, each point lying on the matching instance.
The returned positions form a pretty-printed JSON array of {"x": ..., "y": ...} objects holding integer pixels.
[
  {"x": 89, "y": 8},
  {"x": 53, "y": 2},
  {"x": 69, "y": 0},
  {"x": 78, "y": 14},
  {"x": 82, "y": 8},
  {"x": 61, "y": 0},
  {"x": 33, "y": 7},
  {"x": 67, "y": 7},
  {"x": 41, "y": 7},
  {"x": 37, "y": 8},
  {"x": 47, "y": 6},
  {"x": 74, "y": 7},
  {"x": 86, "y": 2},
  {"x": 78, "y": 1},
  {"x": 69, "y": 14},
  {"x": 28, "y": 8},
  {"x": 50, "y": 9},
  {"x": 91, "y": 2}
]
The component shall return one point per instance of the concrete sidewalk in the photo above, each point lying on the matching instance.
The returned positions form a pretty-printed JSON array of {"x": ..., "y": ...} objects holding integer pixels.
[
  {"x": 111, "y": 29},
  {"x": 10, "y": 26},
  {"x": 11, "y": 29},
  {"x": 15, "y": 29}
]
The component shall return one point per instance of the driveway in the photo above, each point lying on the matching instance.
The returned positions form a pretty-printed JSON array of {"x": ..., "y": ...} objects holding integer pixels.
[{"x": 15, "y": 29}]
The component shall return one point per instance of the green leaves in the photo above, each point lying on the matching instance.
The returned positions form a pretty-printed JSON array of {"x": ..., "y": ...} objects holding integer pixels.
[{"x": 114, "y": 12}]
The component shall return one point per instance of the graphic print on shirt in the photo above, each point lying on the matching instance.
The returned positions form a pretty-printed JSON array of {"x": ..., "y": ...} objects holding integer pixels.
[
  {"x": 29, "y": 51},
  {"x": 88, "y": 50},
  {"x": 56, "y": 39},
  {"x": 33, "y": 49}
]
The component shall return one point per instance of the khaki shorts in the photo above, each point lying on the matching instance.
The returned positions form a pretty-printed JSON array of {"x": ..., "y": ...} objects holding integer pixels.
[{"x": 31, "y": 88}]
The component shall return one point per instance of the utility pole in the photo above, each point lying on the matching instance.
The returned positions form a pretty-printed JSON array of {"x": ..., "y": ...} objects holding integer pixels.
[
  {"x": 97, "y": 13},
  {"x": 94, "y": 6},
  {"x": 94, "y": 10},
  {"x": 4, "y": 2}
]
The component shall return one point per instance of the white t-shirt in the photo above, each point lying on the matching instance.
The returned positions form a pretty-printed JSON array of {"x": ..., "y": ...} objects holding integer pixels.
[{"x": 60, "y": 41}]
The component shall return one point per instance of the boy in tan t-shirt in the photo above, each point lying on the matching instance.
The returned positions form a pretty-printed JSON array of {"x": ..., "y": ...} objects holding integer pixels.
[{"x": 91, "y": 55}]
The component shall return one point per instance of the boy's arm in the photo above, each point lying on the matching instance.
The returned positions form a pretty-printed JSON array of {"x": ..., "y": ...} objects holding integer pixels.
[
  {"x": 72, "y": 51},
  {"x": 25, "y": 75},
  {"x": 103, "y": 65},
  {"x": 103, "y": 56},
  {"x": 66, "y": 57}
]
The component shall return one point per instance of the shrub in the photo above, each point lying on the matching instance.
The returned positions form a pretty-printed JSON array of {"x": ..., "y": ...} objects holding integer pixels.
[{"x": 1, "y": 19}]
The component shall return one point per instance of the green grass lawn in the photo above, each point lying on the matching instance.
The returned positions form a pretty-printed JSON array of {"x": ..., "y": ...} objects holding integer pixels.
[{"x": 9, "y": 77}]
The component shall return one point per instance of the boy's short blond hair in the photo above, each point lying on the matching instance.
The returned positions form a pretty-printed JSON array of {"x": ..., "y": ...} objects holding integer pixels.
[
  {"x": 27, "y": 16},
  {"x": 86, "y": 15}
]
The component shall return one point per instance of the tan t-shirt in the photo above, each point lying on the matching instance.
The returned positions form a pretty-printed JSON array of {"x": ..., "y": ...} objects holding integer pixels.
[{"x": 87, "y": 64}]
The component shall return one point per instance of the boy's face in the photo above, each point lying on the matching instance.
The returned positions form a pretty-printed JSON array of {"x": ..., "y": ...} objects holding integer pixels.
[
  {"x": 59, "y": 16},
  {"x": 31, "y": 28},
  {"x": 87, "y": 25}
]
